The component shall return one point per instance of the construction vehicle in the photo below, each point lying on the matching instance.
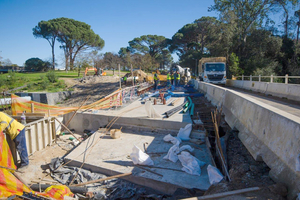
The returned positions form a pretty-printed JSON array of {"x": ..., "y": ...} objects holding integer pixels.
[
  {"x": 185, "y": 74},
  {"x": 212, "y": 70},
  {"x": 94, "y": 71}
]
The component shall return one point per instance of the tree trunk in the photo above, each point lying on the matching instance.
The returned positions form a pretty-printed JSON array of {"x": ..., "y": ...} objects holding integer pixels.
[
  {"x": 71, "y": 62},
  {"x": 298, "y": 32},
  {"x": 53, "y": 57}
]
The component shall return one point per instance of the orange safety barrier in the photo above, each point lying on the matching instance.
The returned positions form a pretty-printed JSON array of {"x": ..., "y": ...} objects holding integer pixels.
[
  {"x": 18, "y": 105},
  {"x": 10, "y": 185}
]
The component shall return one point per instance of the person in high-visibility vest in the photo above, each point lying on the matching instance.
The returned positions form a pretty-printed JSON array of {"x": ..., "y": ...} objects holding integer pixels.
[
  {"x": 172, "y": 78},
  {"x": 168, "y": 79},
  {"x": 177, "y": 79},
  {"x": 16, "y": 132},
  {"x": 155, "y": 81},
  {"x": 125, "y": 79}
]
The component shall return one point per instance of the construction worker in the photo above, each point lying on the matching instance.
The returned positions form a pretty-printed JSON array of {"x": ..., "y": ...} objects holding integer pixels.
[
  {"x": 16, "y": 132},
  {"x": 177, "y": 79},
  {"x": 156, "y": 80},
  {"x": 125, "y": 79},
  {"x": 172, "y": 78},
  {"x": 168, "y": 79}
]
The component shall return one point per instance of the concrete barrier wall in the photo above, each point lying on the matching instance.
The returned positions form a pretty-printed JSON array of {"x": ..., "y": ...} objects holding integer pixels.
[
  {"x": 47, "y": 98},
  {"x": 268, "y": 133},
  {"x": 289, "y": 91}
]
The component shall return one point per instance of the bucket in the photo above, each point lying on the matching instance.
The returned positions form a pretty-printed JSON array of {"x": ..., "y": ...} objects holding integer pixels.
[{"x": 115, "y": 133}]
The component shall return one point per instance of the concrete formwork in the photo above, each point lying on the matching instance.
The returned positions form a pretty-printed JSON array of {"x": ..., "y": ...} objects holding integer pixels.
[{"x": 268, "y": 133}]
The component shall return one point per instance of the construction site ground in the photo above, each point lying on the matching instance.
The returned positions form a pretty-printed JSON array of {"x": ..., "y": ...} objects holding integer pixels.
[{"x": 244, "y": 171}]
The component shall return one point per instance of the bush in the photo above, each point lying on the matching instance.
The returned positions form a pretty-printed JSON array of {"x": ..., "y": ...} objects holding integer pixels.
[
  {"x": 44, "y": 83},
  {"x": 2, "y": 81},
  {"x": 52, "y": 77}
]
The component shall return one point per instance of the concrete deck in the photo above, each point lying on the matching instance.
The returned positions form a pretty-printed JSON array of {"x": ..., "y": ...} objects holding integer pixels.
[
  {"x": 111, "y": 156},
  {"x": 132, "y": 115}
]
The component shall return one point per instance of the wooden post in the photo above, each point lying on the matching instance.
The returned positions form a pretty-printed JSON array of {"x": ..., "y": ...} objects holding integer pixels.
[
  {"x": 242, "y": 77},
  {"x": 32, "y": 107},
  {"x": 250, "y": 77},
  {"x": 286, "y": 79},
  {"x": 120, "y": 77},
  {"x": 259, "y": 78}
]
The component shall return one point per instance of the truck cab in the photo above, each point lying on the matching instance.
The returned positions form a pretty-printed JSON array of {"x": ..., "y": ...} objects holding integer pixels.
[{"x": 214, "y": 72}]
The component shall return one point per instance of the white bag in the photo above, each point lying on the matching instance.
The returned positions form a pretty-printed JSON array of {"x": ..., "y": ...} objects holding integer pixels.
[
  {"x": 191, "y": 164},
  {"x": 186, "y": 147},
  {"x": 151, "y": 112},
  {"x": 139, "y": 157},
  {"x": 184, "y": 133},
  {"x": 173, "y": 140},
  {"x": 173, "y": 153},
  {"x": 214, "y": 175}
]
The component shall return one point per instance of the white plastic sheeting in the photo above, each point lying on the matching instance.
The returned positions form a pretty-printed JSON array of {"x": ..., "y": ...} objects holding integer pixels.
[
  {"x": 214, "y": 175},
  {"x": 139, "y": 157},
  {"x": 184, "y": 133},
  {"x": 191, "y": 164},
  {"x": 151, "y": 112},
  {"x": 173, "y": 140}
]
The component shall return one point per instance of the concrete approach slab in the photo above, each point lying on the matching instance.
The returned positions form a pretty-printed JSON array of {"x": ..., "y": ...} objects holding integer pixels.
[
  {"x": 100, "y": 153},
  {"x": 134, "y": 114}
]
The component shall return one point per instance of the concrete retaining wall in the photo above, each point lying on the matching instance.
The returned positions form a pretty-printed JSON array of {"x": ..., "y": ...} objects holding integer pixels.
[
  {"x": 47, "y": 98},
  {"x": 289, "y": 91},
  {"x": 269, "y": 134}
]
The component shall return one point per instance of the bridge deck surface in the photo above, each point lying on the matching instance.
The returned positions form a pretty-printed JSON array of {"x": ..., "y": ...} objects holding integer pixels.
[{"x": 286, "y": 105}]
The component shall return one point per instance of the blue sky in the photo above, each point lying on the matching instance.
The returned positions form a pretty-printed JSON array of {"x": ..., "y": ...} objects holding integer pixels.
[{"x": 115, "y": 21}]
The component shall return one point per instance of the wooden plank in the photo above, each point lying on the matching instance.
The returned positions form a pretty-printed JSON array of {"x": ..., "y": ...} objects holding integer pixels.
[
  {"x": 225, "y": 194},
  {"x": 29, "y": 140},
  {"x": 33, "y": 114}
]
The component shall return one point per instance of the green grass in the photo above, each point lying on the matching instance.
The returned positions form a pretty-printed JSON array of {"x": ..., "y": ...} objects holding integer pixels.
[{"x": 36, "y": 82}]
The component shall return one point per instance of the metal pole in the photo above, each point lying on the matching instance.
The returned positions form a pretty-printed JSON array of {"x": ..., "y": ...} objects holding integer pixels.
[
  {"x": 250, "y": 77},
  {"x": 286, "y": 79},
  {"x": 120, "y": 77},
  {"x": 272, "y": 78},
  {"x": 259, "y": 78},
  {"x": 132, "y": 75}
]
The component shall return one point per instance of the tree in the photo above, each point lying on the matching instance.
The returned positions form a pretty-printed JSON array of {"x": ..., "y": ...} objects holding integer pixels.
[
  {"x": 75, "y": 37},
  {"x": 82, "y": 62},
  {"x": 36, "y": 64},
  {"x": 154, "y": 45},
  {"x": 111, "y": 60},
  {"x": 48, "y": 30}
]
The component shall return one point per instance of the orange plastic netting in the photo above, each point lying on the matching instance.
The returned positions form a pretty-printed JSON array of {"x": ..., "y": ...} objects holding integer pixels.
[
  {"x": 10, "y": 185},
  {"x": 18, "y": 105}
]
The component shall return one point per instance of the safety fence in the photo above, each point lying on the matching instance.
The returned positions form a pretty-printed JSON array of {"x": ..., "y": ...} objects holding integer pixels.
[
  {"x": 116, "y": 99},
  {"x": 261, "y": 78}
]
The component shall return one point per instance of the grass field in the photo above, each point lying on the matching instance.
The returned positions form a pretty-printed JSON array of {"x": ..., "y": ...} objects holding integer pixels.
[{"x": 38, "y": 81}]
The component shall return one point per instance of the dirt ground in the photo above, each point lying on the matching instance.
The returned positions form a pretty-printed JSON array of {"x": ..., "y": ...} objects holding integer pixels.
[{"x": 95, "y": 86}]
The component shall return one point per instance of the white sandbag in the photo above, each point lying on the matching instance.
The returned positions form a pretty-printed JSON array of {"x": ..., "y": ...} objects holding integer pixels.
[
  {"x": 151, "y": 112},
  {"x": 173, "y": 140},
  {"x": 191, "y": 164},
  {"x": 139, "y": 157},
  {"x": 214, "y": 175},
  {"x": 186, "y": 147},
  {"x": 173, "y": 153},
  {"x": 184, "y": 133}
]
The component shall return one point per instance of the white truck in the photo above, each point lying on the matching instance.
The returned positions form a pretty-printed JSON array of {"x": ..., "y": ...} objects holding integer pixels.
[
  {"x": 185, "y": 74},
  {"x": 213, "y": 70}
]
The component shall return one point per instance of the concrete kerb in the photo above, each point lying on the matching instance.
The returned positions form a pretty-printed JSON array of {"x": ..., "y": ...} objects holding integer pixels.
[{"x": 268, "y": 133}]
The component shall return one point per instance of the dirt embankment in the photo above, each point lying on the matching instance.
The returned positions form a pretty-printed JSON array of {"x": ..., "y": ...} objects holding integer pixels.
[{"x": 95, "y": 86}]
